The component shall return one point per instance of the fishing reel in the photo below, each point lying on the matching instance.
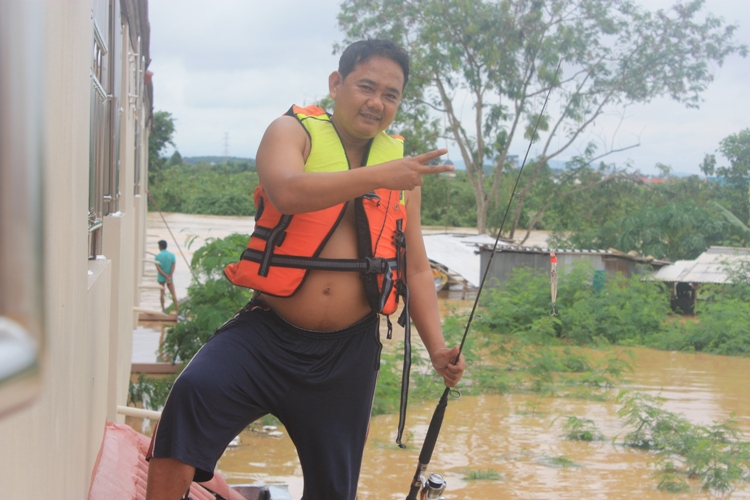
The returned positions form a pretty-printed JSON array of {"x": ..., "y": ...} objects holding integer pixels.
[{"x": 432, "y": 488}]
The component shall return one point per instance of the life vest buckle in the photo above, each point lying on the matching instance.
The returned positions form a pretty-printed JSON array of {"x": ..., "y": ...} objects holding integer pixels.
[{"x": 375, "y": 265}]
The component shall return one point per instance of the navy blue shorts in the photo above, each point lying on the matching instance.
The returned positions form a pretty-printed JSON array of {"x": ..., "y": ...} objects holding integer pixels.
[{"x": 320, "y": 385}]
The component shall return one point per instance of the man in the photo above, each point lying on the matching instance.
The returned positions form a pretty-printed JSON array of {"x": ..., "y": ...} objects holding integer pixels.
[
  {"x": 165, "y": 262},
  {"x": 335, "y": 194}
]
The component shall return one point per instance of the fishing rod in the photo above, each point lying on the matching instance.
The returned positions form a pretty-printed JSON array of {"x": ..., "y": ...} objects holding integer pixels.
[
  {"x": 153, "y": 199},
  {"x": 433, "y": 486}
]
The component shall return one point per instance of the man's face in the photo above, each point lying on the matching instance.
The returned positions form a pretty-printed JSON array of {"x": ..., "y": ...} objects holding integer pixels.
[{"x": 367, "y": 100}]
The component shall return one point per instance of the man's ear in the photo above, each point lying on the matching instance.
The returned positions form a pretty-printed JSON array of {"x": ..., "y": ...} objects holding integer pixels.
[{"x": 335, "y": 81}]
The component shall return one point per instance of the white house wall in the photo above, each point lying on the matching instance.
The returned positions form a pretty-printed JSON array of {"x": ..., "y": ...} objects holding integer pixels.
[{"x": 48, "y": 449}]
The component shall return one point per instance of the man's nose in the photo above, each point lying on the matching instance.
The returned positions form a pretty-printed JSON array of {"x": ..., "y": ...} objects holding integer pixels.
[{"x": 375, "y": 102}]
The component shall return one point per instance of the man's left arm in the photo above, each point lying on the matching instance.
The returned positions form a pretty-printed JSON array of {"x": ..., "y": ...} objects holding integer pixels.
[{"x": 424, "y": 308}]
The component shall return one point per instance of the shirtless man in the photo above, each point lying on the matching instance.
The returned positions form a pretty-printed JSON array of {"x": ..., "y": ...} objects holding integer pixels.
[{"x": 308, "y": 358}]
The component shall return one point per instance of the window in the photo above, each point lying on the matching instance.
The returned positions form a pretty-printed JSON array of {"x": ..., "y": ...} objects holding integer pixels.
[
  {"x": 135, "y": 99},
  {"x": 104, "y": 147}
]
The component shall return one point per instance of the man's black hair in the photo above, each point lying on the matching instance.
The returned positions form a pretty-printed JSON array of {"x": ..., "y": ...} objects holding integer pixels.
[
  {"x": 162, "y": 245},
  {"x": 363, "y": 50}
]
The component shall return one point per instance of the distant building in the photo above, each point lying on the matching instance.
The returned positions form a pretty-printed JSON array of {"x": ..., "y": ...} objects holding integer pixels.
[
  {"x": 605, "y": 262},
  {"x": 685, "y": 277},
  {"x": 651, "y": 179}
]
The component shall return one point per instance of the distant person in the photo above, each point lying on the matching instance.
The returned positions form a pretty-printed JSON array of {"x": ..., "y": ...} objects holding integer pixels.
[
  {"x": 165, "y": 262},
  {"x": 337, "y": 206}
]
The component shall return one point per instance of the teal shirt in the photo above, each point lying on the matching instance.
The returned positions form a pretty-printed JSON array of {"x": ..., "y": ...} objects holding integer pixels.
[{"x": 166, "y": 260}]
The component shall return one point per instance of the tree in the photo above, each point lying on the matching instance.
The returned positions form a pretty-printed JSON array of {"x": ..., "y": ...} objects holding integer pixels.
[
  {"x": 676, "y": 231},
  {"x": 175, "y": 159},
  {"x": 161, "y": 134},
  {"x": 736, "y": 149},
  {"x": 674, "y": 220},
  {"x": 502, "y": 58}
]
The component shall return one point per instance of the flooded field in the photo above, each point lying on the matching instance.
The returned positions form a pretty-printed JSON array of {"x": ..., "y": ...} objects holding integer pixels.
[{"x": 518, "y": 436}]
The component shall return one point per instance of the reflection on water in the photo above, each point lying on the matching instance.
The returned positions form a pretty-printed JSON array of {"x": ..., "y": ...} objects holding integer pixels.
[{"x": 517, "y": 436}]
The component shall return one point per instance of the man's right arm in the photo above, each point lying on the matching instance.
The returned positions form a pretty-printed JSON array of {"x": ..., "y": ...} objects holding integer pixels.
[{"x": 281, "y": 168}]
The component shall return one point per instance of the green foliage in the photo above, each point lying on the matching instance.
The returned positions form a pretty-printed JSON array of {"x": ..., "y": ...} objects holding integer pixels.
[
  {"x": 388, "y": 389},
  {"x": 671, "y": 479},
  {"x": 448, "y": 201},
  {"x": 720, "y": 325},
  {"x": 628, "y": 311},
  {"x": 175, "y": 159},
  {"x": 736, "y": 149},
  {"x": 161, "y": 135},
  {"x": 625, "y": 311},
  {"x": 581, "y": 429},
  {"x": 205, "y": 189},
  {"x": 716, "y": 454},
  {"x": 481, "y": 475},
  {"x": 721, "y": 328},
  {"x": 150, "y": 393},
  {"x": 675, "y": 231},
  {"x": 212, "y": 299},
  {"x": 503, "y": 55},
  {"x": 734, "y": 178},
  {"x": 561, "y": 462},
  {"x": 740, "y": 230},
  {"x": 676, "y": 220},
  {"x": 425, "y": 383}
]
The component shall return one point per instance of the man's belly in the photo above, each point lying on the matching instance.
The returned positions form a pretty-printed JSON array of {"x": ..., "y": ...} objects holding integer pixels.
[{"x": 327, "y": 301}]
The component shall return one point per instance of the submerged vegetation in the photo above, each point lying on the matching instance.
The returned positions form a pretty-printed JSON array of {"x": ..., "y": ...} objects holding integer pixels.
[
  {"x": 516, "y": 346},
  {"x": 717, "y": 455},
  {"x": 481, "y": 475}
]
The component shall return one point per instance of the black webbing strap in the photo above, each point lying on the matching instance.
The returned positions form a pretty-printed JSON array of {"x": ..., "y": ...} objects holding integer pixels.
[
  {"x": 402, "y": 289},
  {"x": 405, "y": 321},
  {"x": 364, "y": 251},
  {"x": 375, "y": 265},
  {"x": 277, "y": 235}
]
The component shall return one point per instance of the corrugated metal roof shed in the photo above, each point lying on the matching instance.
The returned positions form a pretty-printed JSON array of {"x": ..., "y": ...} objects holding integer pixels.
[
  {"x": 458, "y": 252},
  {"x": 710, "y": 267},
  {"x": 673, "y": 271},
  {"x": 610, "y": 262}
]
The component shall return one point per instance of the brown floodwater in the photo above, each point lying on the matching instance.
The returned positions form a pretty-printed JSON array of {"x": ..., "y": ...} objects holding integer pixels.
[
  {"x": 518, "y": 436},
  {"x": 515, "y": 435}
]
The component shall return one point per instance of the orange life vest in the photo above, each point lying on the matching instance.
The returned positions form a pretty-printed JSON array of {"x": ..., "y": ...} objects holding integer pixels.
[{"x": 284, "y": 248}]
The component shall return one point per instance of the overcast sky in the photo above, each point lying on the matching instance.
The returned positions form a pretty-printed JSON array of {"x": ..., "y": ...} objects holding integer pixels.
[{"x": 226, "y": 68}]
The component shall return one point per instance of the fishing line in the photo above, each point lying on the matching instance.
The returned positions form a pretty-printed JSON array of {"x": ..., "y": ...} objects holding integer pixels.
[
  {"x": 425, "y": 455},
  {"x": 153, "y": 199},
  {"x": 502, "y": 223}
]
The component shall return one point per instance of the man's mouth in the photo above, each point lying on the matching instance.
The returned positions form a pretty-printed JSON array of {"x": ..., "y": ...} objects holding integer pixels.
[{"x": 371, "y": 116}]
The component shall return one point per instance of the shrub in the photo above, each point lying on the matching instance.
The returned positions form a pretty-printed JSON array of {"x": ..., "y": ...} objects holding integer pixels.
[
  {"x": 624, "y": 312},
  {"x": 212, "y": 299}
]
